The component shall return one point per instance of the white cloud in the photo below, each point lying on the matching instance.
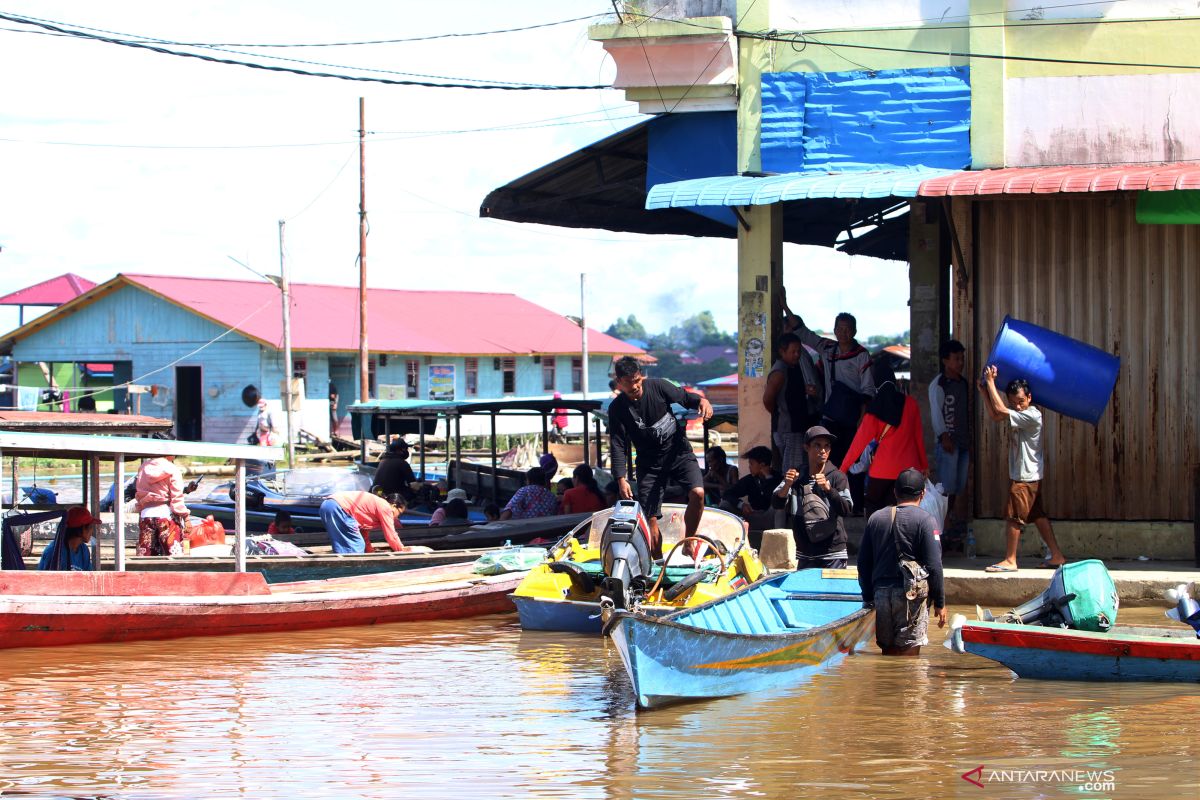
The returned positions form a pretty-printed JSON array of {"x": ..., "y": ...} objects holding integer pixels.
[{"x": 99, "y": 210}]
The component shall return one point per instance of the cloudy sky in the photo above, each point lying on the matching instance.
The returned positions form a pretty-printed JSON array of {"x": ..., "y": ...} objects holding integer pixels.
[{"x": 124, "y": 160}]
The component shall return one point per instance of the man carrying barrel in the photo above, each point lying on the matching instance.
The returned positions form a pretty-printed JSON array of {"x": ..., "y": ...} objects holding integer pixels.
[{"x": 1026, "y": 463}]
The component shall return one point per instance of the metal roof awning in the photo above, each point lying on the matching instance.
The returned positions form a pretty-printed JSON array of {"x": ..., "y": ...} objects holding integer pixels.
[
  {"x": 1056, "y": 180},
  {"x": 751, "y": 190},
  {"x": 457, "y": 408},
  {"x": 83, "y": 446}
]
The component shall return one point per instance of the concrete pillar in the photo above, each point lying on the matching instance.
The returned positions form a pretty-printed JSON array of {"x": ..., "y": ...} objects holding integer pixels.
[
  {"x": 987, "y": 85},
  {"x": 760, "y": 274},
  {"x": 925, "y": 271}
]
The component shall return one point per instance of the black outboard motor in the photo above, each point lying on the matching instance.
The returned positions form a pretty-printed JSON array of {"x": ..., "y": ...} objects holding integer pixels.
[{"x": 625, "y": 553}]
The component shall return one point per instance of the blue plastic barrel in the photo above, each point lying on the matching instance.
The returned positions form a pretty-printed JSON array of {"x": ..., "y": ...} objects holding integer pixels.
[{"x": 1065, "y": 375}]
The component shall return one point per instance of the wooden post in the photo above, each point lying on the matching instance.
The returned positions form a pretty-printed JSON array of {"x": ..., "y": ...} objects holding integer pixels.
[
  {"x": 599, "y": 451},
  {"x": 239, "y": 515},
  {"x": 93, "y": 504},
  {"x": 495, "y": 479},
  {"x": 364, "y": 388},
  {"x": 545, "y": 433},
  {"x": 119, "y": 512},
  {"x": 587, "y": 456},
  {"x": 288, "y": 398},
  {"x": 421, "y": 428},
  {"x": 457, "y": 452}
]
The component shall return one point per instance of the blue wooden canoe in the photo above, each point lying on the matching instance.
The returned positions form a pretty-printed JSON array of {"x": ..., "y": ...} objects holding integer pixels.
[
  {"x": 777, "y": 632},
  {"x": 1124, "y": 653}
]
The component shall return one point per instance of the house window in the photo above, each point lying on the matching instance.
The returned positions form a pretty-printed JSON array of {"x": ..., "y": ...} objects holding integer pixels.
[
  {"x": 300, "y": 368},
  {"x": 508, "y": 366},
  {"x": 412, "y": 370},
  {"x": 372, "y": 387},
  {"x": 471, "y": 367},
  {"x": 576, "y": 374},
  {"x": 549, "y": 364}
]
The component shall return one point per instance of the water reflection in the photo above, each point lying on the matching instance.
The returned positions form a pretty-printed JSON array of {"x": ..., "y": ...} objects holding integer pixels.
[{"x": 478, "y": 707}]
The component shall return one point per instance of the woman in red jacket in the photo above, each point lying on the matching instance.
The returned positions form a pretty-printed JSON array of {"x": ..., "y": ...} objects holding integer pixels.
[{"x": 894, "y": 420}]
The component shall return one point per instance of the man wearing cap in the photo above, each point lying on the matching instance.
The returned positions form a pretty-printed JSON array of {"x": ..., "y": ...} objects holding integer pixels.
[
  {"x": 823, "y": 498},
  {"x": 439, "y": 514},
  {"x": 71, "y": 549},
  {"x": 903, "y": 531},
  {"x": 394, "y": 475}
]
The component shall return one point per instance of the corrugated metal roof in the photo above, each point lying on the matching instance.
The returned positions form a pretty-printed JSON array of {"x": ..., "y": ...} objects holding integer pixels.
[
  {"x": 1053, "y": 180},
  {"x": 53, "y": 292},
  {"x": 324, "y": 318},
  {"x": 728, "y": 380},
  {"x": 746, "y": 190}
]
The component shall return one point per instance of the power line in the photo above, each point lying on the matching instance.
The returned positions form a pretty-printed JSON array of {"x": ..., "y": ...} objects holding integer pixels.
[
  {"x": 405, "y": 40},
  {"x": 292, "y": 71}
]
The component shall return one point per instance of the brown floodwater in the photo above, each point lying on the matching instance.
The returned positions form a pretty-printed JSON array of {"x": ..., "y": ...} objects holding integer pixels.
[{"x": 479, "y": 708}]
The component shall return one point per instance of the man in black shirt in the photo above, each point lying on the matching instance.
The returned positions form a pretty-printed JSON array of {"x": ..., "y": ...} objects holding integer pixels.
[
  {"x": 640, "y": 416},
  {"x": 752, "y": 493},
  {"x": 822, "y": 500},
  {"x": 394, "y": 475},
  {"x": 904, "y": 531}
]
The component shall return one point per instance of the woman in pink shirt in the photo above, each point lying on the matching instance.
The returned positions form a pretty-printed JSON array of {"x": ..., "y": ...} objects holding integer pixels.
[
  {"x": 351, "y": 516},
  {"x": 162, "y": 515}
]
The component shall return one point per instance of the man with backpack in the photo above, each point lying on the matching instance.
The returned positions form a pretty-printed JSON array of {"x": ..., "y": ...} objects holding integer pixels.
[
  {"x": 822, "y": 497},
  {"x": 900, "y": 569}
]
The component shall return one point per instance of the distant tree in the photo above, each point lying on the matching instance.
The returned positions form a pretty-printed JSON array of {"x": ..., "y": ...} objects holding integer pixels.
[
  {"x": 700, "y": 330},
  {"x": 627, "y": 328},
  {"x": 670, "y": 366}
]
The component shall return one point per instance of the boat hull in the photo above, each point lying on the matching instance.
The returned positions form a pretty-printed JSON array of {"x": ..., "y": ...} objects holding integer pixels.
[
  {"x": 1125, "y": 654},
  {"x": 125, "y": 607},
  {"x": 567, "y": 616},
  {"x": 670, "y": 661}
]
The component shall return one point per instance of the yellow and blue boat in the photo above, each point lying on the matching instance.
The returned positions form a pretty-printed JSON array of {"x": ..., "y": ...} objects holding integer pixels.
[
  {"x": 565, "y": 593},
  {"x": 773, "y": 634}
]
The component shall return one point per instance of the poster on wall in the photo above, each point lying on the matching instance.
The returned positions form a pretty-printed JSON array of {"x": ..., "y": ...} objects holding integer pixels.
[{"x": 441, "y": 381}]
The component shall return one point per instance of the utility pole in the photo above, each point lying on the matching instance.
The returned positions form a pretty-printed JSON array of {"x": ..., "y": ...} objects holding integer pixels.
[
  {"x": 364, "y": 381},
  {"x": 583, "y": 327},
  {"x": 288, "y": 399}
]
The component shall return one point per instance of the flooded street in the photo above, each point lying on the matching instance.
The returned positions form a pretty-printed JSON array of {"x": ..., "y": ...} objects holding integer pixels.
[{"x": 478, "y": 707}]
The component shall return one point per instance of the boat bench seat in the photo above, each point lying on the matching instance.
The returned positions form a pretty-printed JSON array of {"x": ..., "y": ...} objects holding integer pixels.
[{"x": 595, "y": 570}]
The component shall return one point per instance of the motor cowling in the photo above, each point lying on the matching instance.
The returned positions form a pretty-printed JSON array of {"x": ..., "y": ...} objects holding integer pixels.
[{"x": 625, "y": 554}]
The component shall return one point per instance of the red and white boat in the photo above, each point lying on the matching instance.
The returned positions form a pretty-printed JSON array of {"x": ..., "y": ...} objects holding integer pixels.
[{"x": 43, "y": 609}]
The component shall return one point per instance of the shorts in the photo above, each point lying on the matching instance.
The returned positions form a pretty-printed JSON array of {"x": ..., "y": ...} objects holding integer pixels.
[
  {"x": 1024, "y": 502},
  {"x": 681, "y": 468},
  {"x": 951, "y": 469},
  {"x": 899, "y": 622}
]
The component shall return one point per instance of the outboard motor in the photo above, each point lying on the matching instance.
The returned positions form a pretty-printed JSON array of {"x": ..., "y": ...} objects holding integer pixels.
[
  {"x": 1081, "y": 596},
  {"x": 1186, "y": 609},
  {"x": 625, "y": 553}
]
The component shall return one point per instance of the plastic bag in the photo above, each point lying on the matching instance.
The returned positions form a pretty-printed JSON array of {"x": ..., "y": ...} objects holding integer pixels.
[
  {"x": 935, "y": 503},
  {"x": 509, "y": 559}
]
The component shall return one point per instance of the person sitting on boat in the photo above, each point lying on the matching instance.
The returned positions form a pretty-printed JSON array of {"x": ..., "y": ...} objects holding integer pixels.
[
  {"x": 585, "y": 495},
  {"x": 491, "y": 512},
  {"x": 394, "y": 475},
  {"x": 719, "y": 474},
  {"x": 533, "y": 499},
  {"x": 351, "y": 516},
  {"x": 442, "y": 512},
  {"x": 902, "y": 532},
  {"x": 162, "y": 514},
  {"x": 751, "y": 494},
  {"x": 822, "y": 499},
  {"x": 456, "y": 512},
  {"x": 640, "y": 416},
  {"x": 71, "y": 549},
  {"x": 282, "y": 524},
  {"x": 549, "y": 465}
]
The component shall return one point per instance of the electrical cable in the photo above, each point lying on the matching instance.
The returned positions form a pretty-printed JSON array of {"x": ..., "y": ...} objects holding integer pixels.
[{"x": 293, "y": 71}]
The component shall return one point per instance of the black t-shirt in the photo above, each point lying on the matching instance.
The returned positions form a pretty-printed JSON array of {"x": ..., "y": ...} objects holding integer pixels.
[
  {"x": 878, "y": 562},
  {"x": 757, "y": 491},
  {"x": 393, "y": 475},
  {"x": 629, "y": 424}
]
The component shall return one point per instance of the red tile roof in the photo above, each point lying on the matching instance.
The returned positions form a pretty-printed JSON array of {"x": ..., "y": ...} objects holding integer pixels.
[
  {"x": 1052, "y": 180},
  {"x": 53, "y": 292},
  {"x": 400, "y": 321}
]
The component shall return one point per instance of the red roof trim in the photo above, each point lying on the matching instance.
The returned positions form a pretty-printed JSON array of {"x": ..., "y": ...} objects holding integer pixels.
[
  {"x": 1055, "y": 180},
  {"x": 53, "y": 292}
]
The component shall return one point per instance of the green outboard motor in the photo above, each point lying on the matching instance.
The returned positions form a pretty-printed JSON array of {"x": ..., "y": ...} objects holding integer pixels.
[
  {"x": 625, "y": 553},
  {"x": 1082, "y": 596}
]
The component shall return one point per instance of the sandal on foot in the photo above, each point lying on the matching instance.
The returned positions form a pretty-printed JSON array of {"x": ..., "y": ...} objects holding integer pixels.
[{"x": 999, "y": 568}]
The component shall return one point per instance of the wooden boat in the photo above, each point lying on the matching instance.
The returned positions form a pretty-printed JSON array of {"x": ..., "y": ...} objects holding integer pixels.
[
  {"x": 1123, "y": 653},
  {"x": 564, "y": 594},
  {"x": 41, "y": 609},
  {"x": 775, "y": 633},
  {"x": 1070, "y": 632}
]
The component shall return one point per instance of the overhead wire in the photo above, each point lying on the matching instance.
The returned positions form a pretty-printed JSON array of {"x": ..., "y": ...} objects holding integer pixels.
[{"x": 154, "y": 48}]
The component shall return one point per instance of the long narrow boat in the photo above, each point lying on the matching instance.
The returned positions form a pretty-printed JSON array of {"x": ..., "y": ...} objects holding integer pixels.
[
  {"x": 40, "y": 609},
  {"x": 777, "y": 632},
  {"x": 1123, "y": 653}
]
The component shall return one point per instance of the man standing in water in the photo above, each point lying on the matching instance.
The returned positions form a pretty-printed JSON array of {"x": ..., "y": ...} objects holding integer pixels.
[{"x": 640, "y": 416}]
